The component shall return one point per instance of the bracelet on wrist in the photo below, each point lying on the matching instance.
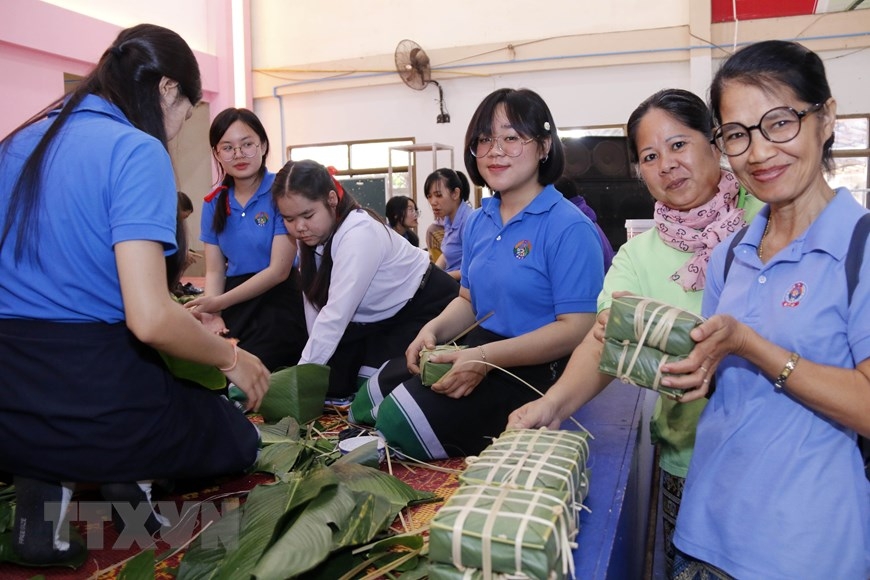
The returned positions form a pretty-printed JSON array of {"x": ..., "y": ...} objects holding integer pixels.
[
  {"x": 793, "y": 359},
  {"x": 483, "y": 357},
  {"x": 235, "y": 360}
]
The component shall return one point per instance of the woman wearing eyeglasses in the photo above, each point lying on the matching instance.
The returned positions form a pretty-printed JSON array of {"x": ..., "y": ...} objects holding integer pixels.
[
  {"x": 698, "y": 204},
  {"x": 532, "y": 268},
  {"x": 776, "y": 486},
  {"x": 251, "y": 286},
  {"x": 402, "y": 214}
]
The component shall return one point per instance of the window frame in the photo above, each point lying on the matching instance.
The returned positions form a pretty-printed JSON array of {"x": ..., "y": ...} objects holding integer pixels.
[
  {"x": 858, "y": 153},
  {"x": 359, "y": 172}
]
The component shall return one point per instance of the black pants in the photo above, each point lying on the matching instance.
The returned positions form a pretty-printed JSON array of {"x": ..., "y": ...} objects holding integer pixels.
[
  {"x": 89, "y": 402},
  {"x": 272, "y": 325},
  {"x": 370, "y": 345},
  {"x": 460, "y": 427}
]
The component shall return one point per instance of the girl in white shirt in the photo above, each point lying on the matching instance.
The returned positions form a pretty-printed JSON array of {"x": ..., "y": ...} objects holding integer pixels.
[{"x": 367, "y": 291}]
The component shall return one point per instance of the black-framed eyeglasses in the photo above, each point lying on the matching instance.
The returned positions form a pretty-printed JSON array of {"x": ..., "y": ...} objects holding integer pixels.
[
  {"x": 510, "y": 145},
  {"x": 778, "y": 125},
  {"x": 227, "y": 152}
]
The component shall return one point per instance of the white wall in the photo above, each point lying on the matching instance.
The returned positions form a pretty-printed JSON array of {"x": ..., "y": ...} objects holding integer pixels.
[
  {"x": 312, "y": 31},
  {"x": 583, "y": 97},
  {"x": 186, "y": 17},
  {"x": 328, "y": 65}
]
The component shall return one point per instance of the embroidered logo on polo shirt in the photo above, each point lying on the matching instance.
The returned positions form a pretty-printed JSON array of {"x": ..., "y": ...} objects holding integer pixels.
[
  {"x": 794, "y": 296},
  {"x": 261, "y": 219},
  {"x": 522, "y": 249}
]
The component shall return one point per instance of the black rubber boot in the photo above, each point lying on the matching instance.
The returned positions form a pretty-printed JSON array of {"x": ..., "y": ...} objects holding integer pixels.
[
  {"x": 40, "y": 516},
  {"x": 132, "y": 493}
]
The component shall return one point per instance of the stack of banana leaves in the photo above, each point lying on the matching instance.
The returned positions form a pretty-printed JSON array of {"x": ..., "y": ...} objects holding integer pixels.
[
  {"x": 310, "y": 522},
  {"x": 643, "y": 334}
]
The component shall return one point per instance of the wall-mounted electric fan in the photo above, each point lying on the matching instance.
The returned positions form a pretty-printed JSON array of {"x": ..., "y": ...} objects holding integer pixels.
[{"x": 412, "y": 64}]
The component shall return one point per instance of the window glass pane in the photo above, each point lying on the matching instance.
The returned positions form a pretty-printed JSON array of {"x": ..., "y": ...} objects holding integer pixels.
[
  {"x": 593, "y": 132},
  {"x": 335, "y": 155},
  {"x": 366, "y": 155},
  {"x": 851, "y": 172},
  {"x": 402, "y": 184},
  {"x": 400, "y": 158},
  {"x": 852, "y": 133}
]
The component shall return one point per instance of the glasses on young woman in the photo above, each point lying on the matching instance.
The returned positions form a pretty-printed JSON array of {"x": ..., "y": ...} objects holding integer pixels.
[
  {"x": 227, "y": 152},
  {"x": 510, "y": 145},
  {"x": 779, "y": 125},
  {"x": 412, "y": 211}
]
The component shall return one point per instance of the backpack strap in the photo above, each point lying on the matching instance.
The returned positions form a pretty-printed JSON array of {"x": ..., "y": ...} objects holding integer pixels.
[
  {"x": 855, "y": 254},
  {"x": 729, "y": 257},
  {"x": 854, "y": 258}
]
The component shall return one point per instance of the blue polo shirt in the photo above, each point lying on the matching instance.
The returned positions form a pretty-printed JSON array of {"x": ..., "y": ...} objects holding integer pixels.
[
  {"x": 544, "y": 262},
  {"x": 246, "y": 241},
  {"x": 104, "y": 182},
  {"x": 774, "y": 489},
  {"x": 451, "y": 245}
]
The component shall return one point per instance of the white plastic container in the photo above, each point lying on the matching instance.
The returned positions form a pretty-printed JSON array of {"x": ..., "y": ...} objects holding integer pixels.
[
  {"x": 635, "y": 227},
  {"x": 352, "y": 443}
]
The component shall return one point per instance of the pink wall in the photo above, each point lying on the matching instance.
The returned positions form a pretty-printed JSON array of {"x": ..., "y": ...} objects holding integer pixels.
[{"x": 39, "y": 42}]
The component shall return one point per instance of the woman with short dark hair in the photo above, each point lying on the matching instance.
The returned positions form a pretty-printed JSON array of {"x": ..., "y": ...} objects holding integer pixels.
[{"x": 531, "y": 270}]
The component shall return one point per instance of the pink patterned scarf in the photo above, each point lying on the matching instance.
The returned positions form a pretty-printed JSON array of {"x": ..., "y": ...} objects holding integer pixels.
[{"x": 698, "y": 230}]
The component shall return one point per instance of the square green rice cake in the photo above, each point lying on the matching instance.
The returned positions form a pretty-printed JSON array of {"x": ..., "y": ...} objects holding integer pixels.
[
  {"x": 534, "y": 459},
  {"x": 484, "y": 530}
]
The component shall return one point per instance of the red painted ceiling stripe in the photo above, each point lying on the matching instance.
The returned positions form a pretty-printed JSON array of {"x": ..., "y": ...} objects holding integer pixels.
[{"x": 752, "y": 9}]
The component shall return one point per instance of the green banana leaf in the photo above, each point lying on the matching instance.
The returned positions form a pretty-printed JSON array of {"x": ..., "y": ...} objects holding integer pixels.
[
  {"x": 533, "y": 459},
  {"x": 623, "y": 324},
  {"x": 290, "y": 527},
  {"x": 380, "y": 555},
  {"x": 431, "y": 372},
  {"x": 297, "y": 392},
  {"x": 140, "y": 567},
  {"x": 337, "y": 518},
  {"x": 204, "y": 559},
  {"x": 254, "y": 524},
  {"x": 205, "y": 375},
  {"x": 538, "y": 523},
  {"x": 279, "y": 459},
  {"x": 362, "y": 478},
  {"x": 366, "y": 454},
  {"x": 616, "y": 359},
  {"x": 284, "y": 431}
]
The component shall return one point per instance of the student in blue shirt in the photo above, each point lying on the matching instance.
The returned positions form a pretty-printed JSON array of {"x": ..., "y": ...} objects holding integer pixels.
[
  {"x": 251, "y": 286},
  {"x": 447, "y": 191},
  {"x": 88, "y": 208},
  {"x": 776, "y": 486},
  {"x": 529, "y": 258}
]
